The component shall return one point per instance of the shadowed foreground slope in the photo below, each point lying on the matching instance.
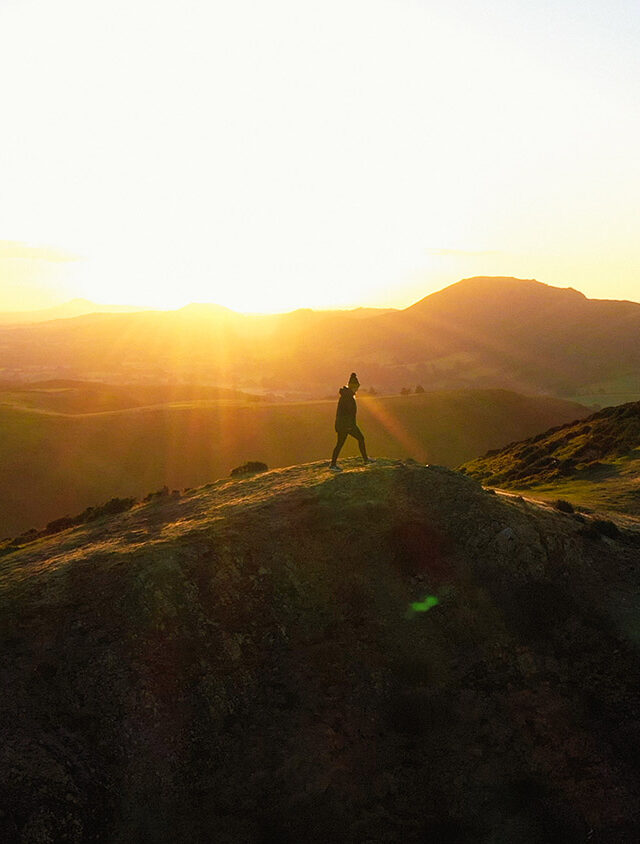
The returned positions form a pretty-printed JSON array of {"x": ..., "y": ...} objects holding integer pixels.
[{"x": 256, "y": 661}]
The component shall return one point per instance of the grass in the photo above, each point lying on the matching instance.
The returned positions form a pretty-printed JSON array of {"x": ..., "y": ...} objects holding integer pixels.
[
  {"x": 593, "y": 463},
  {"x": 58, "y": 463},
  {"x": 617, "y": 493}
]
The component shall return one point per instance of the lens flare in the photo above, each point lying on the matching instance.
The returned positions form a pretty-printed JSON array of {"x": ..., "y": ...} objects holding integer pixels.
[{"x": 429, "y": 602}]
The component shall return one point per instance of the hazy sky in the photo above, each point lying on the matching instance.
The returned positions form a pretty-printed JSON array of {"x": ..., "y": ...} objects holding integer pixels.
[{"x": 272, "y": 155}]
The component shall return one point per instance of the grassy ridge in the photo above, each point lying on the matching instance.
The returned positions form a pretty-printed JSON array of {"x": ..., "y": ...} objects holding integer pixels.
[
  {"x": 593, "y": 462},
  {"x": 57, "y": 464}
]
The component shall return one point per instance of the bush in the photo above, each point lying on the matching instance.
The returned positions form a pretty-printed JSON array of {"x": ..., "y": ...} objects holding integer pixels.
[
  {"x": 250, "y": 468},
  {"x": 115, "y": 505},
  {"x": 600, "y": 527},
  {"x": 61, "y": 524},
  {"x": 27, "y": 536},
  {"x": 606, "y": 528},
  {"x": 563, "y": 506},
  {"x": 111, "y": 508},
  {"x": 161, "y": 493}
]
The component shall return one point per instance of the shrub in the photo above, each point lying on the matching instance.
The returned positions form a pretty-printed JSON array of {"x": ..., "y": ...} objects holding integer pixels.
[
  {"x": 63, "y": 523},
  {"x": 606, "y": 528},
  {"x": 531, "y": 456},
  {"x": 563, "y": 506},
  {"x": 27, "y": 536},
  {"x": 250, "y": 468},
  {"x": 600, "y": 527},
  {"x": 110, "y": 508},
  {"x": 161, "y": 493}
]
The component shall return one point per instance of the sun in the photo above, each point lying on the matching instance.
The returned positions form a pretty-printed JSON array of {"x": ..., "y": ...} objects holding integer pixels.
[{"x": 165, "y": 280}]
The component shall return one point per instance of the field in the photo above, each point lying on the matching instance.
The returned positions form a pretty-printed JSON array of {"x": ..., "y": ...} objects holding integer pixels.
[{"x": 65, "y": 446}]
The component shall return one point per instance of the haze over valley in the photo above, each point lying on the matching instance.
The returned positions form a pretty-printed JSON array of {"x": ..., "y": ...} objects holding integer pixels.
[
  {"x": 68, "y": 446},
  {"x": 481, "y": 332}
]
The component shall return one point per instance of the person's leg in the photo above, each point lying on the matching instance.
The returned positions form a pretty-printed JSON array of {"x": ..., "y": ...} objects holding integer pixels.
[
  {"x": 357, "y": 433},
  {"x": 336, "y": 451}
]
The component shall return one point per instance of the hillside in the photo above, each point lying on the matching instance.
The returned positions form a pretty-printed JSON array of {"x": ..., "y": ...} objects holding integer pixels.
[
  {"x": 71, "y": 398},
  {"x": 521, "y": 334},
  {"x": 478, "y": 333},
  {"x": 66, "y": 446},
  {"x": 593, "y": 461},
  {"x": 390, "y": 654},
  {"x": 73, "y": 308}
]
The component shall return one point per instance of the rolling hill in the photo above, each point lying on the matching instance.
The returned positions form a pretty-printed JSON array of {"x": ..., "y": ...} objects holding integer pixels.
[
  {"x": 478, "y": 333},
  {"x": 66, "y": 446},
  {"x": 73, "y": 308},
  {"x": 593, "y": 462},
  {"x": 391, "y": 654}
]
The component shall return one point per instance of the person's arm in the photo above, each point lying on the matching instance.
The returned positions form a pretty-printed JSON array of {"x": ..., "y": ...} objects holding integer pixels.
[{"x": 353, "y": 409}]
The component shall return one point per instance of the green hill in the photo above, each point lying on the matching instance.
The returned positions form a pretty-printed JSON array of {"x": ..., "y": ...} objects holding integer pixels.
[
  {"x": 390, "y": 654},
  {"x": 593, "y": 461},
  {"x": 65, "y": 447}
]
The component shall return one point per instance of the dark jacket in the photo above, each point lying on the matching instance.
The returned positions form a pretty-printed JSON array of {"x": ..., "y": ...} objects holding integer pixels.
[{"x": 346, "y": 413}]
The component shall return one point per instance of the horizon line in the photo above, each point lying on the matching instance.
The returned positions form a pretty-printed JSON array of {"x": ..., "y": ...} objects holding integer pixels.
[{"x": 137, "y": 308}]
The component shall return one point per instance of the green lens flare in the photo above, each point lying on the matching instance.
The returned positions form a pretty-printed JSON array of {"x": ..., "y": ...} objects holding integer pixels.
[{"x": 424, "y": 606}]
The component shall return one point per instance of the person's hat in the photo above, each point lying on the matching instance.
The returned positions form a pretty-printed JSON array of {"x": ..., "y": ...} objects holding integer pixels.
[{"x": 353, "y": 379}]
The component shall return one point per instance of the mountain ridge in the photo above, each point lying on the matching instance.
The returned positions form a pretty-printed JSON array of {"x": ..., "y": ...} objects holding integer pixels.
[{"x": 530, "y": 338}]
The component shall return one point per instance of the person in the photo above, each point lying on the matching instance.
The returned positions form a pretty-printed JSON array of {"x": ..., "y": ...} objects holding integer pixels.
[{"x": 346, "y": 422}]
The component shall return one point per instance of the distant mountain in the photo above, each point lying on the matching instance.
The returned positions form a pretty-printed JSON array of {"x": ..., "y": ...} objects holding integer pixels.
[
  {"x": 481, "y": 332},
  {"x": 594, "y": 460},
  {"x": 73, "y": 308},
  {"x": 390, "y": 655},
  {"x": 521, "y": 334}
]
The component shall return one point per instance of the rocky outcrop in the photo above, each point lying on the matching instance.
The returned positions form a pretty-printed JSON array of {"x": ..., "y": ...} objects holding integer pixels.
[{"x": 390, "y": 654}]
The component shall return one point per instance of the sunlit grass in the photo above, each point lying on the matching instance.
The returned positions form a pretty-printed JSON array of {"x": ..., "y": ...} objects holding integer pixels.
[{"x": 80, "y": 447}]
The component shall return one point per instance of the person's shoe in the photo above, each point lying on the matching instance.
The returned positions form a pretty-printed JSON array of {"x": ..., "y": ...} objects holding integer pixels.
[
  {"x": 369, "y": 460},
  {"x": 335, "y": 469}
]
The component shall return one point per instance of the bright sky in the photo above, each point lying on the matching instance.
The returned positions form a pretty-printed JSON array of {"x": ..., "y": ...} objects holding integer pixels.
[{"x": 290, "y": 153}]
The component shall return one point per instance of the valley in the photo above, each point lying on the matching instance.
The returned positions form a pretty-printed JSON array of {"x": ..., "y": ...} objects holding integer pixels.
[{"x": 67, "y": 446}]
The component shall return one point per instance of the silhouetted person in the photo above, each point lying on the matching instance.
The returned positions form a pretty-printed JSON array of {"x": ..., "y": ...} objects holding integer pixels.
[{"x": 346, "y": 422}]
